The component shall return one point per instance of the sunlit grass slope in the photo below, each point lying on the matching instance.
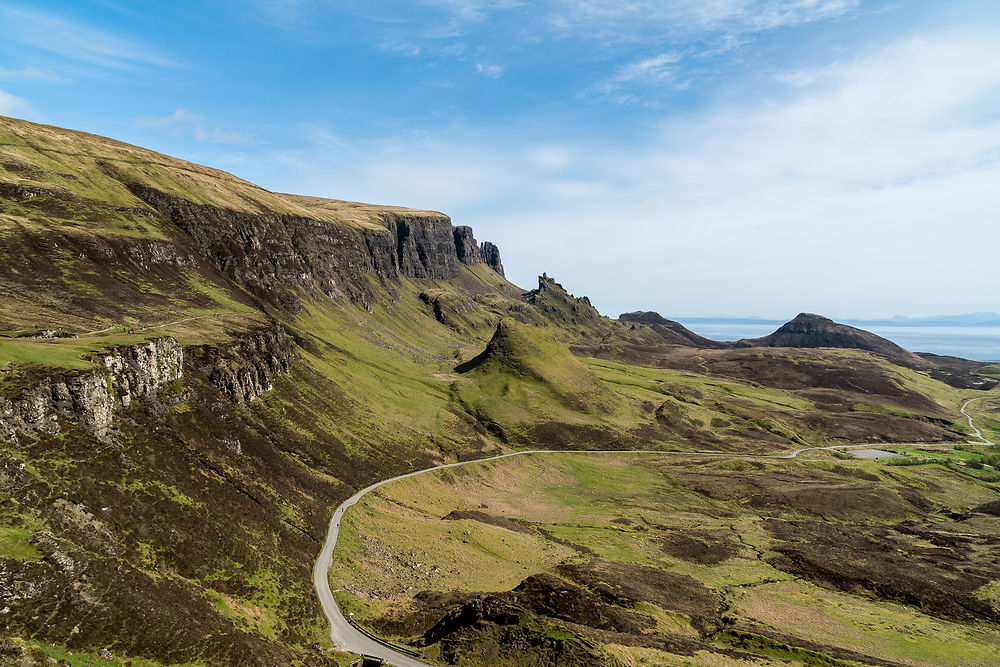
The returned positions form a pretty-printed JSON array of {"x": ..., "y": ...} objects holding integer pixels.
[{"x": 710, "y": 520}]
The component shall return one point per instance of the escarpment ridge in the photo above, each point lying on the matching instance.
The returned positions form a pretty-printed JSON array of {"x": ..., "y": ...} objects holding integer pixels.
[
  {"x": 271, "y": 253},
  {"x": 86, "y": 215},
  {"x": 195, "y": 370}
]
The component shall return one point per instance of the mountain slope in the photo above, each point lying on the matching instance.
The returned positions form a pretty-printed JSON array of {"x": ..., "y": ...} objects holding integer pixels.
[
  {"x": 99, "y": 232},
  {"x": 669, "y": 331},
  {"x": 164, "y": 492},
  {"x": 809, "y": 330}
]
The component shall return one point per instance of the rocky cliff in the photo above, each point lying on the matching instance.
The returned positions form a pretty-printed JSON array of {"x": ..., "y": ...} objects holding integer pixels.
[
  {"x": 148, "y": 372},
  {"x": 471, "y": 252},
  {"x": 271, "y": 254},
  {"x": 245, "y": 370},
  {"x": 119, "y": 378}
]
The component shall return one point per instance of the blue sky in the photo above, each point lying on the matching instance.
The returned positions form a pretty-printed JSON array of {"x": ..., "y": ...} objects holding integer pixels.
[{"x": 695, "y": 157}]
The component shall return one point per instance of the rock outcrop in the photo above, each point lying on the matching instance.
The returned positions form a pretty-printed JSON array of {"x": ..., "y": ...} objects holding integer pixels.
[
  {"x": 131, "y": 373},
  {"x": 118, "y": 378},
  {"x": 245, "y": 370},
  {"x": 471, "y": 252}
]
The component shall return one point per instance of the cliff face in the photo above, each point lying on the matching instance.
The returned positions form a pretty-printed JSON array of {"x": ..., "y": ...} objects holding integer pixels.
[
  {"x": 470, "y": 252},
  {"x": 270, "y": 254},
  {"x": 244, "y": 371},
  {"x": 135, "y": 373},
  {"x": 119, "y": 378}
]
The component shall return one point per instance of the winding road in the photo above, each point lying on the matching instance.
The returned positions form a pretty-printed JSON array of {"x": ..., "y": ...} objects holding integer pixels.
[{"x": 347, "y": 637}]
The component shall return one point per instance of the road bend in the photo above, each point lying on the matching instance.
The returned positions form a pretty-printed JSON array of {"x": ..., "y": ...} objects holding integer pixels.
[{"x": 345, "y": 636}]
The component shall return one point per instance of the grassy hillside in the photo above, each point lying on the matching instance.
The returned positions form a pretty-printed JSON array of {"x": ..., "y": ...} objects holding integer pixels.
[
  {"x": 83, "y": 252},
  {"x": 185, "y": 532},
  {"x": 747, "y": 557}
]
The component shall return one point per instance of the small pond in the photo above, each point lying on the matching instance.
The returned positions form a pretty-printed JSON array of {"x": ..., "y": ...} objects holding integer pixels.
[{"x": 872, "y": 453}]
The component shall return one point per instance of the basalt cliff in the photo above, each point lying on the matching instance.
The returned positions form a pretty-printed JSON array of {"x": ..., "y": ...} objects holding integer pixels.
[{"x": 195, "y": 370}]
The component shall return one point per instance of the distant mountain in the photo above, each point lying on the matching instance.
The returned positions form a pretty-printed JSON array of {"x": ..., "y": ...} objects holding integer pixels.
[
  {"x": 985, "y": 319},
  {"x": 669, "y": 331},
  {"x": 810, "y": 330},
  {"x": 968, "y": 319}
]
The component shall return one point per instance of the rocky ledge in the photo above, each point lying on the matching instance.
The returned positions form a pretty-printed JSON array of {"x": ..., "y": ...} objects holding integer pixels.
[
  {"x": 117, "y": 379},
  {"x": 244, "y": 371},
  {"x": 149, "y": 373}
]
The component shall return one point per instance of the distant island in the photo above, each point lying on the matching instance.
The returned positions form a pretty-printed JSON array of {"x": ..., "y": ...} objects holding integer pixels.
[{"x": 967, "y": 320}]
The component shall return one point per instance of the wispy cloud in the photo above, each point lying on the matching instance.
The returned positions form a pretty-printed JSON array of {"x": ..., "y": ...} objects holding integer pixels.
[
  {"x": 886, "y": 165},
  {"x": 473, "y": 11},
  {"x": 77, "y": 41},
  {"x": 11, "y": 104},
  {"x": 401, "y": 47},
  {"x": 491, "y": 70},
  {"x": 603, "y": 17},
  {"x": 656, "y": 72},
  {"x": 29, "y": 73},
  {"x": 194, "y": 124}
]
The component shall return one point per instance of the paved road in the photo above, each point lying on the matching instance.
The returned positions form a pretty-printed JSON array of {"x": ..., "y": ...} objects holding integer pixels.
[
  {"x": 973, "y": 426},
  {"x": 348, "y": 638}
]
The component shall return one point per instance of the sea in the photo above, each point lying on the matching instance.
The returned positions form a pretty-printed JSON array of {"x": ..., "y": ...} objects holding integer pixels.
[{"x": 981, "y": 343}]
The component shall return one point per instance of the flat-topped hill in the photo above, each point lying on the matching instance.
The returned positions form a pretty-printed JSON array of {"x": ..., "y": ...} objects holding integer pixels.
[
  {"x": 83, "y": 168},
  {"x": 668, "y": 330}
]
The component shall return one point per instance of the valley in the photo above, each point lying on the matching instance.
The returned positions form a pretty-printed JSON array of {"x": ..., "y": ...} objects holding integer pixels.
[
  {"x": 387, "y": 588},
  {"x": 164, "y": 494}
]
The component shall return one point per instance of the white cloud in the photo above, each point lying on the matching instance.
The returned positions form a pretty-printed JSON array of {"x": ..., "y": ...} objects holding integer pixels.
[
  {"x": 196, "y": 124},
  {"x": 490, "y": 70},
  {"x": 77, "y": 41},
  {"x": 604, "y": 17},
  {"x": 11, "y": 104},
  {"x": 870, "y": 191},
  {"x": 29, "y": 73},
  {"x": 657, "y": 72}
]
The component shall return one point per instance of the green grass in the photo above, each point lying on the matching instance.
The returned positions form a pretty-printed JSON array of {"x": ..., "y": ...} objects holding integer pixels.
[
  {"x": 58, "y": 352},
  {"x": 394, "y": 543},
  {"x": 89, "y": 173},
  {"x": 992, "y": 370},
  {"x": 883, "y": 629},
  {"x": 15, "y": 540}
]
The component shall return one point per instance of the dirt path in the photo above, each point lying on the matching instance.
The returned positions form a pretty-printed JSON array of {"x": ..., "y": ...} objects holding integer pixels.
[
  {"x": 156, "y": 326},
  {"x": 347, "y": 637}
]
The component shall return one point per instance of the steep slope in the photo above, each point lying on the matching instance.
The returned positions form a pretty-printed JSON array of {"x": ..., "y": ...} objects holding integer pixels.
[
  {"x": 519, "y": 352},
  {"x": 281, "y": 356},
  {"x": 98, "y": 231},
  {"x": 163, "y": 493}
]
